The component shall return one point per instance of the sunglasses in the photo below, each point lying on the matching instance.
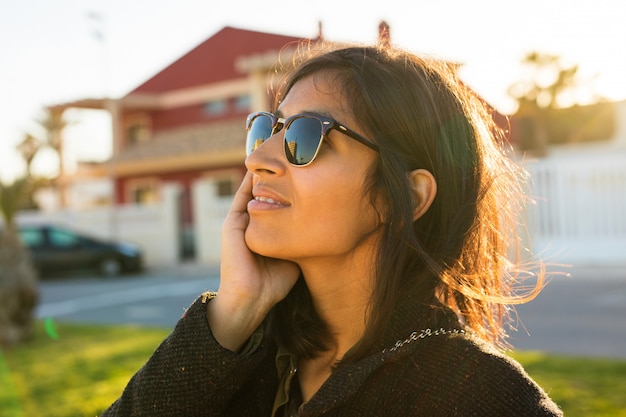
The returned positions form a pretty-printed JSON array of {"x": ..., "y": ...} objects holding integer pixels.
[{"x": 304, "y": 134}]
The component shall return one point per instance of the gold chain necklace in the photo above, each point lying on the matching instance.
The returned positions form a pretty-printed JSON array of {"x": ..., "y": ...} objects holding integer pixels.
[{"x": 422, "y": 335}]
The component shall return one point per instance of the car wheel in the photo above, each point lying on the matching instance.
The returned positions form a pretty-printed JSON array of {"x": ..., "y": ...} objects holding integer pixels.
[{"x": 110, "y": 267}]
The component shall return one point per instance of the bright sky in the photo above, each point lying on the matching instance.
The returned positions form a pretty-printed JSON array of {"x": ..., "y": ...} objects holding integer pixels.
[{"x": 49, "y": 51}]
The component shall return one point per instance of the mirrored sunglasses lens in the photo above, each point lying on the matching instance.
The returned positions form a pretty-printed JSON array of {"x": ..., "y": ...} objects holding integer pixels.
[
  {"x": 260, "y": 130},
  {"x": 302, "y": 140}
]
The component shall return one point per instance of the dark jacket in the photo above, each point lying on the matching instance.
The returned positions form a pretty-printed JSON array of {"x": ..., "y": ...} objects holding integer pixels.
[{"x": 444, "y": 374}]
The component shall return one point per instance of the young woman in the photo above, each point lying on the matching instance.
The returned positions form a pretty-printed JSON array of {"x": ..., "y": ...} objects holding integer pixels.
[{"x": 364, "y": 261}]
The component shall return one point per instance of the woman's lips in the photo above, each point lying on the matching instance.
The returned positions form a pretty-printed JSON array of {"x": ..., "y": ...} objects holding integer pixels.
[
  {"x": 268, "y": 200},
  {"x": 264, "y": 203}
]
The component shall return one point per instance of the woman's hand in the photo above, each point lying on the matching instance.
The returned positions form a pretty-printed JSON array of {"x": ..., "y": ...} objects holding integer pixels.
[{"x": 250, "y": 284}]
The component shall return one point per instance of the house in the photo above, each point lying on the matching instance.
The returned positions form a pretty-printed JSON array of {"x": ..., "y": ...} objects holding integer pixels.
[{"x": 187, "y": 121}]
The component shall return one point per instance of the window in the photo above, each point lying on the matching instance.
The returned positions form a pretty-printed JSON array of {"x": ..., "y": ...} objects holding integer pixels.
[
  {"x": 62, "y": 239},
  {"x": 224, "y": 182},
  {"x": 243, "y": 103},
  {"x": 144, "y": 194},
  {"x": 142, "y": 190},
  {"x": 137, "y": 128},
  {"x": 215, "y": 107},
  {"x": 226, "y": 187},
  {"x": 137, "y": 133},
  {"x": 32, "y": 238}
]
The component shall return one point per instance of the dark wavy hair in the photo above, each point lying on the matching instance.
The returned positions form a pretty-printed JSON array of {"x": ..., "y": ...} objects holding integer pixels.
[{"x": 421, "y": 116}]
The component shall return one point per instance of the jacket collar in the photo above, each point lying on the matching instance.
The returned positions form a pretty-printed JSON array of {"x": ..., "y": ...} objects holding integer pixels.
[{"x": 410, "y": 322}]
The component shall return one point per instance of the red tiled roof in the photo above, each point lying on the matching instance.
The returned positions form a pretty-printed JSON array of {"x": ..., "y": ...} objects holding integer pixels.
[{"x": 214, "y": 59}]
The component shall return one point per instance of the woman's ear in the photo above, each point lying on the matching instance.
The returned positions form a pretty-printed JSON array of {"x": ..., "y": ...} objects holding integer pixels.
[{"x": 424, "y": 189}]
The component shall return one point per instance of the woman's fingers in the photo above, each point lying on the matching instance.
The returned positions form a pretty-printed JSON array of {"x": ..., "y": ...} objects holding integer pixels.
[
  {"x": 251, "y": 277},
  {"x": 243, "y": 194},
  {"x": 250, "y": 284}
]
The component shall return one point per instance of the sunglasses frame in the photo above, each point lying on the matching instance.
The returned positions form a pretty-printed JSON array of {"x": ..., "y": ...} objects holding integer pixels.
[{"x": 327, "y": 124}]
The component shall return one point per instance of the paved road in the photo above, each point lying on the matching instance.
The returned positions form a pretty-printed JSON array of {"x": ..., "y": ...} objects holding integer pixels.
[
  {"x": 157, "y": 298},
  {"x": 584, "y": 314}
]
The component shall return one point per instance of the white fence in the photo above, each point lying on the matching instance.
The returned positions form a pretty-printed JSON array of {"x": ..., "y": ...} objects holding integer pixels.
[{"x": 580, "y": 212}]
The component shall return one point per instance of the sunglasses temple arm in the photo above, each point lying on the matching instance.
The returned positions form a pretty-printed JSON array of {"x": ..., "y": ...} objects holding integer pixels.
[{"x": 357, "y": 137}]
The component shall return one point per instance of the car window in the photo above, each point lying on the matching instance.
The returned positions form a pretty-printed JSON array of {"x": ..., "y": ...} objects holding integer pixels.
[
  {"x": 32, "y": 238},
  {"x": 62, "y": 238}
]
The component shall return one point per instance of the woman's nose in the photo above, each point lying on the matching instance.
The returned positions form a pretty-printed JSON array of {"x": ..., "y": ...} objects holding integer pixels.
[{"x": 268, "y": 157}]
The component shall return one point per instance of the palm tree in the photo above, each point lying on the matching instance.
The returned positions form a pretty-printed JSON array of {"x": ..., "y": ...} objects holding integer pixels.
[
  {"x": 53, "y": 124},
  {"x": 28, "y": 148}
]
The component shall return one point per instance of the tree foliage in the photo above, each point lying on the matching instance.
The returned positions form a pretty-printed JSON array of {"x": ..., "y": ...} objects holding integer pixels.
[
  {"x": 28, "y": 149},
  {"x": 549, "y": 109},
  {"x": 549, "y": 82},
  {"x": 53, "y": 124}
]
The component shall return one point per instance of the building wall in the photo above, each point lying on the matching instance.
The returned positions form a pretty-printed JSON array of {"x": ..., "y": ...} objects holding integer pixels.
[
  {"x": 200, "y": 113},
  {"x": 184, "y": 180}
]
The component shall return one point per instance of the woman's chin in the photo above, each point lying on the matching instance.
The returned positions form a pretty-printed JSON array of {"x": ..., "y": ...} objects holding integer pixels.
[{"x": 261, "y": 243}]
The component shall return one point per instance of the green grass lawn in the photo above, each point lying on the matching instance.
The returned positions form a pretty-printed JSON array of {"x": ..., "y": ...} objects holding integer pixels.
[
  {"x": 581, "y": 386},
  {"x": 78, "y": 370},
  {"x": 72, "y": 370}
]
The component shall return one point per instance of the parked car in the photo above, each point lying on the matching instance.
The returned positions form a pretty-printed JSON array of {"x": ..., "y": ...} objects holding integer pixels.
[{"x": 56, "y": 249}]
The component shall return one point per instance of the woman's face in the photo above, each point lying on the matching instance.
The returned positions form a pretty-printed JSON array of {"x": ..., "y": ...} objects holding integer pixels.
[{"x": 320, "y": 211}]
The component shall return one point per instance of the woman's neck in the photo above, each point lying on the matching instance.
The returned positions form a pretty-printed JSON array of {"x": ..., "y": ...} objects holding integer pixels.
[
  {"x": 341, "y": 294},
  {"x": 341, "y": 289},
  {"x": 344, "y": 309}
]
